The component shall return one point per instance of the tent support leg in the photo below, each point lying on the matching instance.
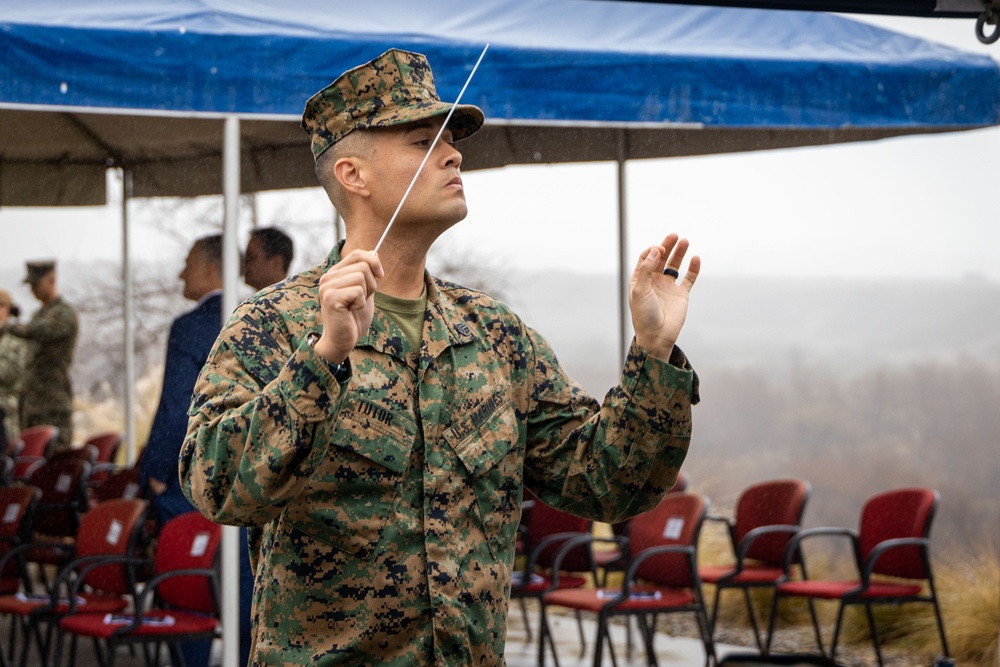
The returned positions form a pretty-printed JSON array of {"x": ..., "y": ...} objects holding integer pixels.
[
  {"x": 128, "y": 309},
  {"x": 623, "y": 311},
  {"x": 230, "y": 277}
]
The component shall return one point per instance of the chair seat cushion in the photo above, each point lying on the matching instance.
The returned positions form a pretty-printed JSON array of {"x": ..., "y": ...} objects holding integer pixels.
[
  {"x": 751, "y": 574},
  {"x": 642, "y": 598},
  {"x": 155, "y": 623},
  {"x": 833, "y": 590},
  {"x": 540, "y": 583},
  {"x": 20, "y": 604}
]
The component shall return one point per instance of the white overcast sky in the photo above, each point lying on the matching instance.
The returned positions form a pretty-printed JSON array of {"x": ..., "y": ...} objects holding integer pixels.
[{"x": 898, "y": 208}]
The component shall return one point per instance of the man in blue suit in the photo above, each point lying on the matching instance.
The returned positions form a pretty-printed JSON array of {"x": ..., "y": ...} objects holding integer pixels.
[{"x": 191, "y": 337}]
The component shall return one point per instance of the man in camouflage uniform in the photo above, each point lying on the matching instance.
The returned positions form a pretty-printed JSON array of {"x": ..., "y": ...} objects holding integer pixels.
[
  {"x": 47, "y": 394},
  {"x": 377, "y": 426},
  {"x": 13, "y": 355}
]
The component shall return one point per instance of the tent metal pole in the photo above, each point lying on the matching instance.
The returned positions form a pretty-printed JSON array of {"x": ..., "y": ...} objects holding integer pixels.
[
  {"x": 623, "y": 310},
  {"x": 230, "y": 277},
  {"x": 128, "y": 309}
]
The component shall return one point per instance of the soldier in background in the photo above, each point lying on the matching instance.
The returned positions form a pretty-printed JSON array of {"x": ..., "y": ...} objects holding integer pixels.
[
  {"x": 13, "y": 356},
  {"x": 47, "y": 393}
]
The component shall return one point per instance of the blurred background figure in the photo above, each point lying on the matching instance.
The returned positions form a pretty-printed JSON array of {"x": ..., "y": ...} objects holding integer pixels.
[
  {"x": 269, "y": 254},
  {"x": 46, "y": 390},
  {"x": 191, "y": 337},
  {"x": 13, "y": 357}
]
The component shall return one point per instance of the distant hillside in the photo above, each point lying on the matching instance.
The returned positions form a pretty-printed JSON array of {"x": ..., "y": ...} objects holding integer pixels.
[{"x": 849, "y": 325}]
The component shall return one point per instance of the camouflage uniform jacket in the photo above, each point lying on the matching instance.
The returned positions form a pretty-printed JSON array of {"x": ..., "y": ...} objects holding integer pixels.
[
  {"x": 13, "y": 357},
  {"x": 46, "y": 386},
  {"x": 388, "y": 504}
]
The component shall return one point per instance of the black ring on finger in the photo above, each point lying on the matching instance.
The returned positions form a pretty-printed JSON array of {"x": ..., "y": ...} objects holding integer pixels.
[{"x": 673, "y": 273}]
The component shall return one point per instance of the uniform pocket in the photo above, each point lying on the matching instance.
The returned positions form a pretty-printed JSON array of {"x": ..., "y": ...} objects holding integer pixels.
[
  {"x": 351, "y": 496},
  {"x": 486, "y": 441}
]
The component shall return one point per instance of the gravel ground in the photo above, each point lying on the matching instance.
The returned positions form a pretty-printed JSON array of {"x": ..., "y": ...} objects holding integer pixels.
[{"x": 793, "y": 639}]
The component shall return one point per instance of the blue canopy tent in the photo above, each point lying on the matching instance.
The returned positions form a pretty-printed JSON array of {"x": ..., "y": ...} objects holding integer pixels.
[
  {"x": 203, "y": 96},
  {"x": 145, "y": 85}
]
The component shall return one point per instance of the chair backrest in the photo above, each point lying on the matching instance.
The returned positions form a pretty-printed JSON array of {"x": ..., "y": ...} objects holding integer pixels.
[
  {"x": 17, "y": 512},
  {"x": 545, "y": 521},
  {"x": 770, "y": 503},
  {"x": 681, "y": 484},
  {"x": 896, "y": 514},
  {"x": 107, "y": 446},
  {"x": 39, "y": 440},
  {"x": 14, "y": 447},
  {"x": 86, "y": 453},
  {"x": 25, "y": 466},
  {"x": 112, "y": 528},
  {"x": 188, "y": 541},
  {"x": 64, "y": 497},
  {"x": 122, "y": 483},
  {"x": 676, "y": 520}
]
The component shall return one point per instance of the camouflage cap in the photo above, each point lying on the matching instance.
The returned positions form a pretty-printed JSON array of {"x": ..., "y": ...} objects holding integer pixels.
[
  {"x": 38, "y": 270},
  {"x": 395, "y": 88}
]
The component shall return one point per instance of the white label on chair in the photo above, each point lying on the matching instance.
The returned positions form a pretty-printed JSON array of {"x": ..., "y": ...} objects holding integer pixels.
[
  {"x": 131, "y": 491},
  {"x": 114, "y": 532},
  {"x": 674, "y": 527},
  {"x": 200, "y": 545},
  {"x": 10, "y": 514},
  {"x": 63, "y": 483}
]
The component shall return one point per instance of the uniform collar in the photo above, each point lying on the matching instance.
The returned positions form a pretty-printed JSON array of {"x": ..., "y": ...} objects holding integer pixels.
[{"x": 444, "y": 322}]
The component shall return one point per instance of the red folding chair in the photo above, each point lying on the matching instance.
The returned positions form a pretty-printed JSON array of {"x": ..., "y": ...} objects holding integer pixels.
[
  {"x": 106, "y": 446},
  {"x": 63, "y": 502},
  {"x": 767, "y": 515},
  {"x": 17, "y": 510},
  {"x": 179, "y": 604},
  {"x": 547, "y": 530},
  {"x": 615, "y": 559},
  {"x": 39, "y": 440},
  {"x": 24, "y": 467},
  {"x": 662, "y": 576},
  {"x": 97, "y": 579},
  {"x": 892, "y": 557}
]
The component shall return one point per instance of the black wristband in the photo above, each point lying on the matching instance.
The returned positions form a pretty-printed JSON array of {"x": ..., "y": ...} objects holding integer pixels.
[{"x": 342, "y": 371}]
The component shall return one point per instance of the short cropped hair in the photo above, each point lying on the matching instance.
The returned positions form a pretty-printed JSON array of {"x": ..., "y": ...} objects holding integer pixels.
[
  {"x": 273, "y": 242},
  {"x": 211, "y": 249},
  {"x": 358, "y": 143}
]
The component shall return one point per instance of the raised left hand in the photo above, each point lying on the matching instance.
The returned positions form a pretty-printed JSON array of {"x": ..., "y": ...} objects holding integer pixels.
[{"x": 658, "y": 301}]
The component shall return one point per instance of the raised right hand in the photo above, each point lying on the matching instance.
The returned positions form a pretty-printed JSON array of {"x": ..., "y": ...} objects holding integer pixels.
[{"x": 347, "y": 303}]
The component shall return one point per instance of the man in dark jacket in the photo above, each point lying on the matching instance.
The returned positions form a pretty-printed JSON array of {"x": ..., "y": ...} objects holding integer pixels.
[{"x": 191, "y": 337}]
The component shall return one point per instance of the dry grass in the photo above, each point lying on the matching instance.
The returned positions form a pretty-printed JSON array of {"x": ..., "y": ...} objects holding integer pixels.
[
  {"x": 969, "y": 594},
  {"x": 92, "y": 416},
  {"x": 968, "y": 588}
]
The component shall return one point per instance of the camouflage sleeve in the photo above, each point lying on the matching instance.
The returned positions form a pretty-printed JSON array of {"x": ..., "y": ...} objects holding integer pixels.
[
  {"x": 612, "y": 461},
  {"x": 13, "y": 358},
  {"x": 260, "y": 422},
  {"x": 54, "y": 324}
]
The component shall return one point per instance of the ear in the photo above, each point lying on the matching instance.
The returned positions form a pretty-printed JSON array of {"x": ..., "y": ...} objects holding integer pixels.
[{"x": 352, "y": 174}]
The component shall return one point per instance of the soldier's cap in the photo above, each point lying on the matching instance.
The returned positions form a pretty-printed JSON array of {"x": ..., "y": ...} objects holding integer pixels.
[
  {"x": 395, "y": 88},
  {"x": 38, "y": 270}
]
